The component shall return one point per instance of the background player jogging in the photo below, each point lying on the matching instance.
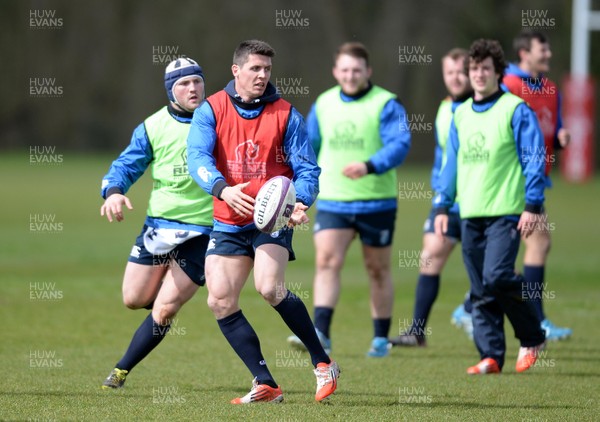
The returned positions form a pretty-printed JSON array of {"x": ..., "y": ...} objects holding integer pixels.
[{"x": 166, "y": 264}]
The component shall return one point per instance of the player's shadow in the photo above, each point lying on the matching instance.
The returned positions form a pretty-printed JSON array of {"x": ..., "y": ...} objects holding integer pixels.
[
  {"x": 99, "y": 392},
  {"x": 478, "y": 405},
  {"x": 575, "y": 374},
  {"x": 233, "y": 389}
]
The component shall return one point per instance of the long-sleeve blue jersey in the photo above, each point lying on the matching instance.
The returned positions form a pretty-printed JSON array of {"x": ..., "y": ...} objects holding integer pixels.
[
  {"x": 536, "y": 83},
  {"x": 438, "y": 158},
  {"x": 201, "y": 144},
  {"x": 539, "y": 84},
  {"x": 130, "y": 165},
  {"x": 396, "y": 144},
  {"x": 528, "y": 143},
  {"x": 133, "y": 162}
]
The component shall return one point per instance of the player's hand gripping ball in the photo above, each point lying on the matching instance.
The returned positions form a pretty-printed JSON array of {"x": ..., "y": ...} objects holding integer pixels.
[{"x": 274, "y": 204}]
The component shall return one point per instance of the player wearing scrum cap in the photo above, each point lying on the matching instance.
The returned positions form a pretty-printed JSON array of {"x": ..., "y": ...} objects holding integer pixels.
[
  {"x": 241, "y": 137},
  {"x": 166, "y": 264}
]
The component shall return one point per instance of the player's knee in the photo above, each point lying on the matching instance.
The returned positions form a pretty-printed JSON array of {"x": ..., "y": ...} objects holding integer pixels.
[
  {"x": 213, "y": 303},
  {"x": 537, "y": 247},
  {"x": 378, "y": 274},
  {"x": 269, "y": 293},
  {"x": 220, "y": 306},
  {"x": 133, "y": 301},
  {"x": 327, "y": 261},
  {"x": 545, "y": 245},
  {"x": 433, "y": 256},
  {"x": 498, "y": 281},
  {"x": 164, "y": 314}
]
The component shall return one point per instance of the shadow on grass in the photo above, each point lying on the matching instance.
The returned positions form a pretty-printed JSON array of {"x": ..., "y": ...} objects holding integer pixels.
[
  {"x": 342, "y": 399},
  {"x": 576, "y": 374},
  {"x": 594, "y": 359},
  {"x": 108, "y": 393},
  {"x": 481, "y": 405}
]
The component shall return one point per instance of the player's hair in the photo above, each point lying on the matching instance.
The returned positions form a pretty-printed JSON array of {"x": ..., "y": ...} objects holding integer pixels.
[
  {"x": 455, "y": 54},
  {"x": 481, "y": 49},
  {"x": 353, "y": 49},
  {"x": 241, "y": 53},
  {"x": 523, "y": 41}
]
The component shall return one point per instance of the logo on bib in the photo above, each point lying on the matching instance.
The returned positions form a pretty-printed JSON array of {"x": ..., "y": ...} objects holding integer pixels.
[
  {"x": 245, "y": 166},
  {"x": 181, "y": 170},
  {"x": 345, "y": 138},
  {"x": 476, "y": 151}
]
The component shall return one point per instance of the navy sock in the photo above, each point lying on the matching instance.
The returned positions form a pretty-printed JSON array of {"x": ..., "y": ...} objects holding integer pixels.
[
  {"x": 467, "y": 303},
  {"x": 294, "y": 314},
  {"x": 323, "y": 318},
  {"x": 382, "y": 327},
  {"x": 243, "y": 339},
  {"x": 145, "y": 339},
  {"x": 426, "y": 293},
  {"x": 534, "y": 276}
]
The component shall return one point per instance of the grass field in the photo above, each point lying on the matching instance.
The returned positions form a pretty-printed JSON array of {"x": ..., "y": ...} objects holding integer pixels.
[{"x": 65, "y": 325}]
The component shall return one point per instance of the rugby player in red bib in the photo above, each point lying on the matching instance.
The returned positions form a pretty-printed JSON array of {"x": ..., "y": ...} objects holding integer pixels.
[{"x": 241, "y": 137}]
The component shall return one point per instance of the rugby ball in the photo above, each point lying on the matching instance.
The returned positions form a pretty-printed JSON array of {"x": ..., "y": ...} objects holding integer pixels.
[{"x": 274, "y": 204}]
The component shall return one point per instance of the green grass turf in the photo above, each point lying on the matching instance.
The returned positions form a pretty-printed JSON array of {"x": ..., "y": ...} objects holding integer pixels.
[{"x": 84, "y": 329}]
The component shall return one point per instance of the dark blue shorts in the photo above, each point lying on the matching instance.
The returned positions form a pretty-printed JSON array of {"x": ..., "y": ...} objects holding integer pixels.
[
  {"x": 245, "y": 243},
  {"x": 189, "y": 256},
  {"x": 375, "y": 229},
  {"x": 454, "y": 230}
]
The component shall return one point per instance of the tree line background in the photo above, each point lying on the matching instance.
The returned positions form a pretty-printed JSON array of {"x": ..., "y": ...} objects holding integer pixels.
[{"x": 103, "y": 56}]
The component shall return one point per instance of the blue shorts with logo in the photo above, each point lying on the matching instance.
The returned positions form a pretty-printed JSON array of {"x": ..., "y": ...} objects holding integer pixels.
[
  {"x": 454, "y": 230},
  {"x": 245, "y": 242},
  {"x": 189, "y": 256},
  {"x": 375, "y": 229}
]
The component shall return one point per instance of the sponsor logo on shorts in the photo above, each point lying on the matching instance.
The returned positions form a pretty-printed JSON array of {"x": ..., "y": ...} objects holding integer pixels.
[
  {"x": 135, "y": 251},
  {"x": 212, "y": 243},
  {"x": 384, "y": 237}
]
